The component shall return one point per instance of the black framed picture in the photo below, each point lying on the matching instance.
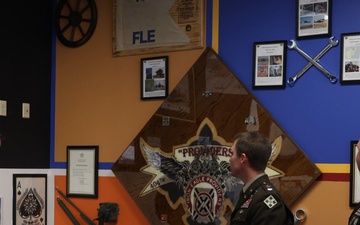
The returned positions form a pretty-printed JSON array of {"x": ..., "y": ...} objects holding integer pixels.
[
  {"x": 350, "y": 58},
  {"x": 313, "y": 18},
  {"x": 354, "y": 175},
  {"x": 29, "y": 199},
  {"x": 269, "y": 64},
  {"x": 82, "y": 171},
  {"x": 154, "y": 77}
]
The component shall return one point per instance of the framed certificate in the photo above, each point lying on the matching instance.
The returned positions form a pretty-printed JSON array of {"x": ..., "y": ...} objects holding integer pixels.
[{"x": 82, "y": 171}]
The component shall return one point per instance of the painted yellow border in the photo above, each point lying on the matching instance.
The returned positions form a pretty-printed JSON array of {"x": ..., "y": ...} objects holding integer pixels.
[
  {"x": 215, "y": 26},
  {"x": 334, "y": 168}
]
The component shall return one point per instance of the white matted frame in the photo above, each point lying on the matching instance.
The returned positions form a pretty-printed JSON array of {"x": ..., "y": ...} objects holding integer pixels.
[
  {"x": 82, "y": 171},
  {"x": 269, "y": 64},
  {"x": 313, "y": 18},
  {"x": 29, "y": 199},
  {"x": 143, "y": 27},
  {"x": 354, "y": 176},
  {"x": 154, "y": 77},
  {"x": 350, "y": 58}
]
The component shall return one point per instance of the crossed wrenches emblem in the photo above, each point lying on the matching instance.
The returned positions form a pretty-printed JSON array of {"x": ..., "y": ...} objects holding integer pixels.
[{"x": 313, "y": 62}]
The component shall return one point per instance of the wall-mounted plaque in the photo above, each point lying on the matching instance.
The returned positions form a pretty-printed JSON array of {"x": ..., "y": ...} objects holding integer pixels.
[
  {"x": 179, "y": 170},
  {"x": 143, "y": 27}
]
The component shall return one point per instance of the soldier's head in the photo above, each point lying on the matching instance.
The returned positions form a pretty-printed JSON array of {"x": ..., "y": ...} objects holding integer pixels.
[{"x": 250, "y": 150}]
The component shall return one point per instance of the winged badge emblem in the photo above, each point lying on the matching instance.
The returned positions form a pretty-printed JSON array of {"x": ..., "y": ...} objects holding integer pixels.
[{"x": 197, "y": 175}]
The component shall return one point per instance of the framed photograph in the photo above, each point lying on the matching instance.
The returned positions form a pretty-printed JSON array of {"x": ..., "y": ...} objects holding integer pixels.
[
  {"x": 354, "y": 176},
  {"x": 154, "y": 77},
  {"x": 144, "y": 27},
  {"x": 350, "y": 58},
  {"x": 29, "y": 199},
  {"x": 313, "y": 18},
  {"x": 269, "y": 64},
  {"x": 82, "y": 171}
]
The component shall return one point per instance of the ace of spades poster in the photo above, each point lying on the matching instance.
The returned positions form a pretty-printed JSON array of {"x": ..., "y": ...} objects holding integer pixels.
[{"x": 29, "y": 199}]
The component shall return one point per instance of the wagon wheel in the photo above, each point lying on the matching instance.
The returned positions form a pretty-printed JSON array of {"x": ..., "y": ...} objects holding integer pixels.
[{"x": 75, "y": 21}]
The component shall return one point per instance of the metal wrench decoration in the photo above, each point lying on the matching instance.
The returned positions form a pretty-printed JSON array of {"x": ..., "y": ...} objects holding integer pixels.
[{"x": 313, "y": 62}]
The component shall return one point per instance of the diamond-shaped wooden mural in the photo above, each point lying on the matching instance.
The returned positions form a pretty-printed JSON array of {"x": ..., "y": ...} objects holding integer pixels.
[{"x": 177, "y": 168}]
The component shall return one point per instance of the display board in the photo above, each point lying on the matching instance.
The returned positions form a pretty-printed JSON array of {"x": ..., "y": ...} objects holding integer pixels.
[
  {"x": 177, "y": 168},
  {"x": 143, "y": 27}
]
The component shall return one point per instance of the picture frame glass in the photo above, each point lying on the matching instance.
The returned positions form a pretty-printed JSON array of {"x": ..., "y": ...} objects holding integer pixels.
[
  {"x": 154, "y": 77},
  {"x": 29, "y": 198},
  {"x": 145, "y": 27},
  {"x": 82, "y": 171},
  {"x": 269, "y": 64},
  {"x": 313, "y": 18},
  {"x": 215, "y": 98},
  {"x": 350, "y": 58}
]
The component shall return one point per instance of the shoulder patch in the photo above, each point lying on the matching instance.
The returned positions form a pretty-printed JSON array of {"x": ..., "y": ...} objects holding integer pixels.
[{"x": 270, "y": 201}]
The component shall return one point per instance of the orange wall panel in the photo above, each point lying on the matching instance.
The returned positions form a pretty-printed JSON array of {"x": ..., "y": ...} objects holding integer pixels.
[
  {"x": 98, "y": 96},
  {"x": 110, "y": 190},
  {"x": 325, "y": 202}
]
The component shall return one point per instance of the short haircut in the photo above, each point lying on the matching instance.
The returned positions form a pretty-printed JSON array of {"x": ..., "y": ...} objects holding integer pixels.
[{"x": 256, "y": 147}]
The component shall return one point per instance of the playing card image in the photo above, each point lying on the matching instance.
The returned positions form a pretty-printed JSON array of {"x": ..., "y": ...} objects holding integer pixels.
[{"x": 29, "y": 206}]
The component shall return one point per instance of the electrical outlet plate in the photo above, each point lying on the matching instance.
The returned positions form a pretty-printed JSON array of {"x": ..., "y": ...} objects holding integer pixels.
[
  {"x": 26, "y": 110},
  {"x": 3, "y": 108}
]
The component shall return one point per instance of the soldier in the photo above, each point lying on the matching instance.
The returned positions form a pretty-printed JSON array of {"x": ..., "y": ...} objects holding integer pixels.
[
  {"x": 354, "y": 218},
  {"x": 260, "y": 202}
]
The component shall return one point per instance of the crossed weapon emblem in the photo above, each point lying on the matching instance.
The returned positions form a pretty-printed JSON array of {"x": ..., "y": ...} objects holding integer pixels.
[{"x": 313, "y": 62}]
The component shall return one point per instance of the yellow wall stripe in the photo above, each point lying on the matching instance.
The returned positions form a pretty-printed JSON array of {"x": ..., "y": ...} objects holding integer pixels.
[
  {"x": 215, "y": 26},
  {"x": 334, "y": 168}
]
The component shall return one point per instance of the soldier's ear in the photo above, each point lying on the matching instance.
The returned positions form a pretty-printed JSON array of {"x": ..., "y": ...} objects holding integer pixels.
[{"x": 243, "y": 158}]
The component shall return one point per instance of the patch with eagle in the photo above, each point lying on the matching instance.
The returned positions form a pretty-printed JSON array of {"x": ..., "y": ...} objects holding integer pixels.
[{"x": 197, "y": 175}]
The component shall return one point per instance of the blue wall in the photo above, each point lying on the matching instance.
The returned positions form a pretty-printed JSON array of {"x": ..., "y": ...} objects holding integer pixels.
[{"x": 321, "y": 117}]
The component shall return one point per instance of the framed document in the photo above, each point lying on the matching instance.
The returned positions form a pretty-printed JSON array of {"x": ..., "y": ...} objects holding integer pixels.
[
  {"x": 350, "y": 58},
  {"x": 144, "y": 27},
  {"x": 82, "y": 171},
  {"x": 154, "y": 77},
  {"x": 354, "y": 175},
  {"x": 269, "y": 64},
  {"x": 313, "y": 18},
  {"x": 29, "y": 199}
]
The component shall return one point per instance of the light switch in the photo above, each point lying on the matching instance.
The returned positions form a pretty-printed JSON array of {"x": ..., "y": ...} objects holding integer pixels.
[
  {"x": 26, "y": 110},
  {"x": 3, "y": 108}
]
